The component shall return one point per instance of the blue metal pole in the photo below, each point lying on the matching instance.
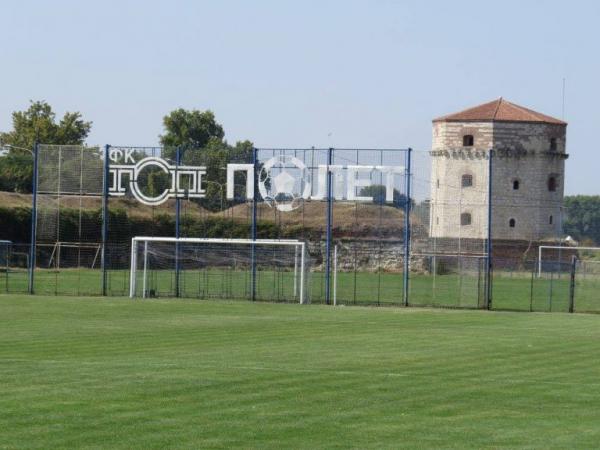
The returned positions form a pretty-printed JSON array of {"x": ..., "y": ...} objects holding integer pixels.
[
  {"x": 253, "y": 231},
  {"x": 105, "y": 217},
  {"x": 177, "y": 220},
  {"x": 329, "y": 225},
  {"x": 407, "y": 237},
  {"x": 488, "y": 269},
  {"x": 32, "y": 247}
]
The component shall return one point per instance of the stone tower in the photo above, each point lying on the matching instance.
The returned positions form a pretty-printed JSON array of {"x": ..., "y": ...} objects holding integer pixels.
[{"x": 528, "y": 173}]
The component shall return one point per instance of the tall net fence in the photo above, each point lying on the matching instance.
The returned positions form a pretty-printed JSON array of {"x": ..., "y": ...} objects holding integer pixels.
[
  {"x": 68, "y": 241},
  {"x": 449, "y": 233},
  {"x": 383, "y": 227},
  {"x": 133, "y": 179}
]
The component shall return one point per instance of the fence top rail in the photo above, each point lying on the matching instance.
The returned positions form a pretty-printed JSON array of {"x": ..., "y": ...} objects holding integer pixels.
[
  {"x": 371, "y": 149},
  {"x": 293, "y": 242}
]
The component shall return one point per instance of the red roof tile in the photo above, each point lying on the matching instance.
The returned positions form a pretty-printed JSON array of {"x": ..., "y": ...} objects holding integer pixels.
[{"x": 499, "y": 110}]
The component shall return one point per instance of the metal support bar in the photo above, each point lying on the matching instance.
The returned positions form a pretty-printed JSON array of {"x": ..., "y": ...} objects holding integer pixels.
[
  {"x": 253, "y": 231},
  {"x": 133, "y": 273},
  {"x": 145, "y": 273},
  {"x": 335, "y": 270},
  {"x": 302, "y": 270},
  {"x": 105, "y": 218},
  {"x": 32, "y": 247},
  {"x": 329, "y": 225},
  {"x": 407, "y": 230},
  {"x": 177, "y": 220},
  {"x": 488, "y": 269},
  {"x": 572, "y": 285}
]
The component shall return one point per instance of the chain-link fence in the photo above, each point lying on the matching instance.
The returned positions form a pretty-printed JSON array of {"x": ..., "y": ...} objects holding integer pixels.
[{"x": 382, "y": 226}]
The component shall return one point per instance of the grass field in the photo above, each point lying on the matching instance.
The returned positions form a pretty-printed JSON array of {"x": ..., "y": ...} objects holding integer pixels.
[
  {"x": 118, "y": 373},
  {"x": 511, "y": 290}
]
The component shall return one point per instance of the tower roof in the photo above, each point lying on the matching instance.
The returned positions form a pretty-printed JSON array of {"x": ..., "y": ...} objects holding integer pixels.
[{"x": 499, "y": 110}]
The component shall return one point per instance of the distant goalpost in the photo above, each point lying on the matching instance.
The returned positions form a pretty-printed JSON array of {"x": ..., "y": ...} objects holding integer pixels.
[
  {"x": 250, "y": 259},
  {"x": 95, "y": 249},
  {"x": 559, "y": 248}
]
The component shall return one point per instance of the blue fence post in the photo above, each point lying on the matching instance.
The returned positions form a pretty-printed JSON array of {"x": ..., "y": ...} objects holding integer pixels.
[
  {"x": 253, "y": 231},
  {"x": 177, "y": 219},
  {"x": 32, "y": 246},
  {"x": 407, "y": 237},
  {"x": 329, "y": 225},
  {"x": 105, "y": 217},
  {"x": 488, "y": 268}
]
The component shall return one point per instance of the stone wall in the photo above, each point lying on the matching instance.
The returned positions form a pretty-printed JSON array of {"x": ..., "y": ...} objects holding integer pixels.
[{"x": 522, "y": 154}]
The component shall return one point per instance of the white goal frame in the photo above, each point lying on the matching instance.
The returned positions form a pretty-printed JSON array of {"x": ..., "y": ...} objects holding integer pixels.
[
  {"x": 59, "y": 245},
  {"x": 299, "y": 257},
  {"x": 558, "y": 247}
]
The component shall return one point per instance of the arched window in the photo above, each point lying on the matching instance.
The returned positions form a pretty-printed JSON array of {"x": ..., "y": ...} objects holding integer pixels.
[
  {"x": 550, "y": 220},
  {"x": 466, "y": 180},
  {"x": 468, "y": 140},
  {"x": 516, "y": 185},
  {"x": 465, "y": 219},
  {"x": 553, "y": 144},
  {"x": 552, "y": 183},
  {"x": 512, "y": 223}
]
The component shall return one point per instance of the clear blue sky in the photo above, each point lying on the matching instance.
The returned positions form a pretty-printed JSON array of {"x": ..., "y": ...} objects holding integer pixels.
[{"x": 296, "y": 74}]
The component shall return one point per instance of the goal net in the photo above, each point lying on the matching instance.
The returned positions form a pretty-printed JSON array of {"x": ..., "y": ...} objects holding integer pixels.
[{"x": 263, "y": 269}]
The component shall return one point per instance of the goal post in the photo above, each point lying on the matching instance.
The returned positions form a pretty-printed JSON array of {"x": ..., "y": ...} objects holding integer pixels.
[
  {"x": 266, "y": 269},
  {"x": 558, "y": 249}
]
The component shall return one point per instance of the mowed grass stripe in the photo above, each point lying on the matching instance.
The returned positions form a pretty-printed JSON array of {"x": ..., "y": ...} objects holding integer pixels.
[{"x": 173, "y": 373}]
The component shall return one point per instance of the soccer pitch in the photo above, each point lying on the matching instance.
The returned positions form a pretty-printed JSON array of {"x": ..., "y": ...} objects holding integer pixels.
[{"x": 157, "y": 373}]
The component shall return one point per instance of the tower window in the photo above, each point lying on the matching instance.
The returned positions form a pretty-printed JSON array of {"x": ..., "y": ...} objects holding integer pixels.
[
  {"x": 552, "y": 184},
  {"x": 465, "y": 219},
  {"x": 512, "y": 223},
  {"x": 438, "y": 182},
  {"x": 466, "y": 180},
  {"x": 468, "y": 140},
  {"x": 516, "y": 185},
  {"x": 550, "y": 220},
  {"x": 553, "y": 144}
]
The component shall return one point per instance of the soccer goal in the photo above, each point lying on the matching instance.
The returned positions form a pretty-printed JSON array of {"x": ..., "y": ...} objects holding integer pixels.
[
  {"x": 555, "y": 258},
  {"x": 262, "y": 269},
  {"x": 73, "y": 254}
]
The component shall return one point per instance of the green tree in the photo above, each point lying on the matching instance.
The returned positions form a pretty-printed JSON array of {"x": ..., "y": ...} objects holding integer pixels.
[
  {"x": 378, "y": 192},
  {"x": 190, "y": 130},
  {"x": 201, "y": 140},
  {"x": 583, "y": 217},
  {"x": 36, "y": 124}
]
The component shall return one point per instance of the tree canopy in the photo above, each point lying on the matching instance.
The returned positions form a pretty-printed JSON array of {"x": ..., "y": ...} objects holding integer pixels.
[
  {"x": 378, "y": 192},
  {"x": 583, "y": 217},
  {"x": 38, "y": 124},
  {"x": 190, "y": 129},
  {"x": 35, "y": 124},
  {"x": 201, "y": 140}
]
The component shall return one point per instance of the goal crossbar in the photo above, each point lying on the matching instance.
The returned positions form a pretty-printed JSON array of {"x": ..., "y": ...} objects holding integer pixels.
[{"x": 299, "y": 266}]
